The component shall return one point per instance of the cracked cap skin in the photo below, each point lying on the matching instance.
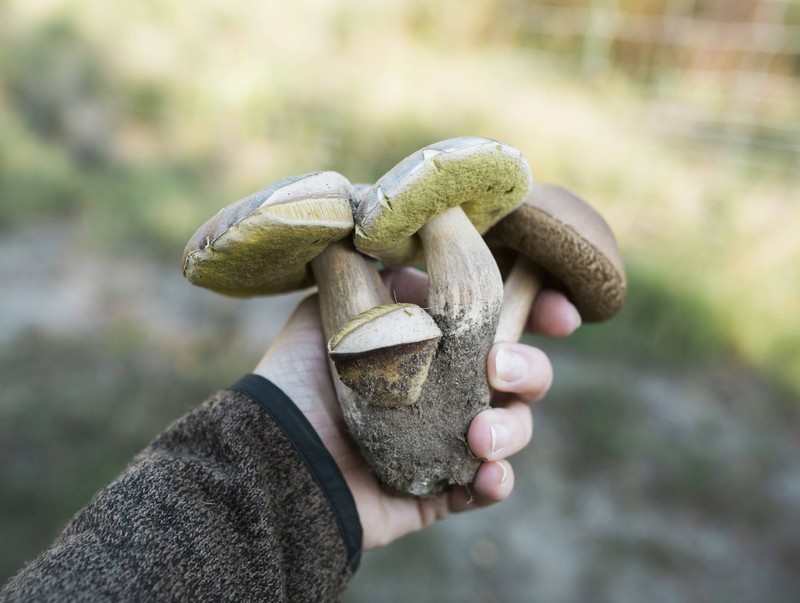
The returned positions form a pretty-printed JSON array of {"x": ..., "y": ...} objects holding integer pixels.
[
  {"x": 263, "y": 244},
  {"x": 488, "y": 178}
]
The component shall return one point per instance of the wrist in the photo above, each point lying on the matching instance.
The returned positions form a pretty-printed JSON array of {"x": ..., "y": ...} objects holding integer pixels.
[{"x": 318, "y": 459}]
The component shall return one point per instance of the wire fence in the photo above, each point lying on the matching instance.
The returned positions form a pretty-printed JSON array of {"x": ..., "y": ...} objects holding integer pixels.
[{"x": 720, "y": 74}]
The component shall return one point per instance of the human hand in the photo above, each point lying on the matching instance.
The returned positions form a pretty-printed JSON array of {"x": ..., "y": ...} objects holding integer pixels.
[{"x": 519, "y": 374}]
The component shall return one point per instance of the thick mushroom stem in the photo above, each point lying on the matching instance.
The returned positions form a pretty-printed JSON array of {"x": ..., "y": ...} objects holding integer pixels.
[
  {"x": 465, "y": 289},
  {"x": 465, "y": 293},
  {"x": 348, "y": 284},
  {"x": 522, "y": 285}
]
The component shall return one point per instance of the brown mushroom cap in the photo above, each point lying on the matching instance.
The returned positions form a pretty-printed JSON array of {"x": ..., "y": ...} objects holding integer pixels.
[
  {"x": 487, "y": 178},
  {"x": 567, "y": 238},
  {"x": 263, "y": 244}
]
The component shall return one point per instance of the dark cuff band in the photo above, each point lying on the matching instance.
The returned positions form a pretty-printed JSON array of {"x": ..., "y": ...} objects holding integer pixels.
[{"x": 319, "y": 461}]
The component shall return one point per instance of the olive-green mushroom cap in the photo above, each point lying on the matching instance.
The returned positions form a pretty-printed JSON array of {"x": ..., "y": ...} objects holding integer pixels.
[
  {"x": 571, "y": 241},
  {"x": 487, "y": 178},
  {"x": 263, "y": 244}
]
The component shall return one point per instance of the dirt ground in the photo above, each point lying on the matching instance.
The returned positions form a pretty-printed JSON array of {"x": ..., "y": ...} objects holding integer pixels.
[{"x": 642, "y": 483}]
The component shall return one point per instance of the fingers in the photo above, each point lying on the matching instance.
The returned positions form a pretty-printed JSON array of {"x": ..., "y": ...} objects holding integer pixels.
[
  {"x": 519, "y": 369},
  {"x": 523, "y": 374},
  {"x": 493, "y": 483},
  {"x": 553, "y": 315},
  {"x": 494, "y": 435},
  {"x": 498, "y": 433},
  {"x": 407, "y": 285}
]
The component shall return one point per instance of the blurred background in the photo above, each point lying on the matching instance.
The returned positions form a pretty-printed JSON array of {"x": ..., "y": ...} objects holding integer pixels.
[{"x": 666, "y": 460}]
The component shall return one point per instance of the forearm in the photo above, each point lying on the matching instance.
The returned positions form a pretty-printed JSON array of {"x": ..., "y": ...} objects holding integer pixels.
[{"x": 226, "y": 504}]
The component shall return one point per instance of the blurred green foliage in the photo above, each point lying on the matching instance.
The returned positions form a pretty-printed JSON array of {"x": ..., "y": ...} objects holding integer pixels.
[
  {"x": 65, "y": 435},
  {"x": 104, "y": 123}
]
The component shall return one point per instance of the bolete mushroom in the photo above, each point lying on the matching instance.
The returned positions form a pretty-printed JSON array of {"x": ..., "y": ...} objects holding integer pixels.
[
  {"x": 485, "y": 178},
  {"x": 413, "y": 212},
  {"x": 293, "y": 234},
  {"x": 556, "y": 235},
  {"x": 410, "y": 382},
  {"x": 265, "y": 243}
]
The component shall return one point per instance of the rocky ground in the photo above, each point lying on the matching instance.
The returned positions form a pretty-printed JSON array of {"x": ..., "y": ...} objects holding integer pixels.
[{"x": 643, "y": 482}]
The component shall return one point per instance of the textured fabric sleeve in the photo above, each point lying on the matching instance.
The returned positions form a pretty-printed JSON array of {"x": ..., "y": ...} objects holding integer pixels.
[{"x": 236, "y": 501}]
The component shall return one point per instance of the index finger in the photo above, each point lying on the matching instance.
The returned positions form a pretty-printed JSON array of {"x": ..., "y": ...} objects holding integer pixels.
[
  {"x": 551, "y": 315},
  {"x": 407, "y": 285}
]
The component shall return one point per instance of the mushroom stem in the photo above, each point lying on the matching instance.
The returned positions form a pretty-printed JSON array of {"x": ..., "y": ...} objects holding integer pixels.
[
  {"x": 348, "y": 284},
  {"x": 522, "y": 285},
  {"x": 465, "y": 292},
  {"x": 465, "y": 288}
]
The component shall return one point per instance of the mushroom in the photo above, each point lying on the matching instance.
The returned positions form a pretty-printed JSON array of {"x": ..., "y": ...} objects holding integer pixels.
[
  {"x": 434, "y": 205},
  {"x": 293, "y": 234},
  {"x": 557, "y": 235},
  {"x": 486, "y": 178},
  {"x": 265, "y": 243},
  {"x": 409, "y": 381}
]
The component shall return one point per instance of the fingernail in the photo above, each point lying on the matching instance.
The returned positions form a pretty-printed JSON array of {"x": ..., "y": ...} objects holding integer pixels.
[
  {"x": 576, "y": 318},
  {"x": 504, "y": 477},
  {"x": 499, "y": 437},
  {"x": 510, "y": 366}
]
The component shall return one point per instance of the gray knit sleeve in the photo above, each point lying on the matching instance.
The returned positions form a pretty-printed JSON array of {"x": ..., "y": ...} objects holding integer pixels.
[{"x": 236, "y": 501}]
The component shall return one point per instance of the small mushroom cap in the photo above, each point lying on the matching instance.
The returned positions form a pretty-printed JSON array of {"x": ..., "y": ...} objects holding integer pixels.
[
  {"x": 263, "y": 244},
  {"x": 487, "y": 178},
  {"x": 567, "y": 238},
  {"x": 384, "y": 353}
]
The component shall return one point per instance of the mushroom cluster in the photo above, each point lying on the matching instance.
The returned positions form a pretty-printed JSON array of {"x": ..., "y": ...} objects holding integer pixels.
[{"x": 410, "y": 380}]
